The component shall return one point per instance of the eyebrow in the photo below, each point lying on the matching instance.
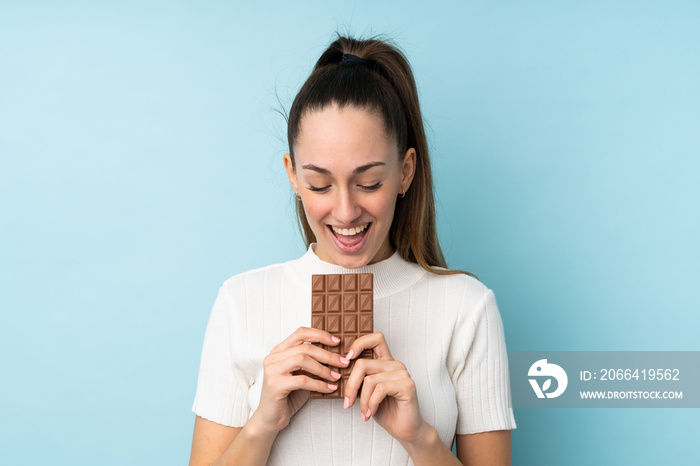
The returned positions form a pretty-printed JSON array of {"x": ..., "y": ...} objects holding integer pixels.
[{"x": 360, "y": 169}]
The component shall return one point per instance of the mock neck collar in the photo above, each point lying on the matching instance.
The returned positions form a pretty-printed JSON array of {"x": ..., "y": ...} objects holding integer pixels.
[{"x": 391, "y": 275}]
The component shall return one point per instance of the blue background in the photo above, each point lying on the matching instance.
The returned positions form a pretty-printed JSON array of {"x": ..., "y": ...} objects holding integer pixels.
[{"x": 141, "y": 166}]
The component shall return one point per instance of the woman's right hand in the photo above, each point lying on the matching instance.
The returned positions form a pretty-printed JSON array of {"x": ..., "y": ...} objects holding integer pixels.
[{"x": 284, "y": 392}]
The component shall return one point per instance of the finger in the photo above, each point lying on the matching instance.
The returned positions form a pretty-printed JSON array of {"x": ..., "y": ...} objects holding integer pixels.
[
  {"x": 374, "y": 341},
  {"x": 301, "y": 360},
  {"x": 320, "y": 354},
  {"x": 307, "y": 334},
  {"x": 360, "y": 371},
  {"x": 283, "y": 385},
  {"x": 304, "y": 382},
  {"x": 377, "y": 387}
]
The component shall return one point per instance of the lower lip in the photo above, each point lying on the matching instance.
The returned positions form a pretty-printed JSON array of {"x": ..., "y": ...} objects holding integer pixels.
[{"x": 350, "y": 249}]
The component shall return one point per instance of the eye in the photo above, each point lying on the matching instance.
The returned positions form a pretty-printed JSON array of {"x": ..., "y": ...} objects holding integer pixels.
[
  {"x": 374, "y": 187},
  {"x": 319, "y": 190}
]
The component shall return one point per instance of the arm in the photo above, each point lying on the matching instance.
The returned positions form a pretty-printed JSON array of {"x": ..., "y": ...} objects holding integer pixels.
[
  {"x": 283, "y": 394},
  {"x": 215, "y": 444},
  {"x": 482, "y": 449},
  {"x": 485, "y": 448},
  {"x": 388, "y": 394},
  {"x": 210, "y": 440}
]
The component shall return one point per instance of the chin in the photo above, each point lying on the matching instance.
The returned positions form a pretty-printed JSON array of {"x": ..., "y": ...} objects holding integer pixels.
[{"x": 350, "y": 262}]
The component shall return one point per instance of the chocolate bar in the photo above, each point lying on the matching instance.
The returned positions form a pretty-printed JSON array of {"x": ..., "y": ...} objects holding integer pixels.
[{"x": 343, "y": 305}]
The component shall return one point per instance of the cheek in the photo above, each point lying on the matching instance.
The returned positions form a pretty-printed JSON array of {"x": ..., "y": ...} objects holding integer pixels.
[
  {"x": 384, "y": 208},
  {"x": 315, "y": 211}
]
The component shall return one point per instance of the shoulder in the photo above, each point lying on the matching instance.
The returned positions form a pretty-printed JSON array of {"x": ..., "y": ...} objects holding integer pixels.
[
  {"x": 255, "y": 279},
  {"x": 460, "y": 284},
  {"x": 471, "y": 302}
]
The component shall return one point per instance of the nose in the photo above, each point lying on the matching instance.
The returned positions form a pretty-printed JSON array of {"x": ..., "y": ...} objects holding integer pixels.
[{"x": 346, "y": 209}]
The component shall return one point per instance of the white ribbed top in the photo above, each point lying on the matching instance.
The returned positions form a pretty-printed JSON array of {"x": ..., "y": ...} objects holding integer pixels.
[{"x": 446, "y": 329}]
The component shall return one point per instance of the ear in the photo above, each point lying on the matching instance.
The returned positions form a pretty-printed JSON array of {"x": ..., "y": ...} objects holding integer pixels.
[
  {"x": 290, "y": 172},
  {"x": 408, "y": 169}
]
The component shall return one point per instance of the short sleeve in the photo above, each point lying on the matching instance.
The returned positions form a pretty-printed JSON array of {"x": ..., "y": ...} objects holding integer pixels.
[
  {"x": 480, "y": 369},
  {"x": 222, "y": 389}
]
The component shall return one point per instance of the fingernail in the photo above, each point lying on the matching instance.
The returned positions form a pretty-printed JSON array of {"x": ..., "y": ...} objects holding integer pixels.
[
  {"x": 335, "y": 374},
  {"x": 335, "y": 339},
  {"x": 346, "y": 403},
  {"x": 351, "y": 353},
  {"x": 332, "y": 386},
  {"x": 363, "y": 417},
  {"x": 344, "y": 360},
  {"x": 369, "y": 413}
]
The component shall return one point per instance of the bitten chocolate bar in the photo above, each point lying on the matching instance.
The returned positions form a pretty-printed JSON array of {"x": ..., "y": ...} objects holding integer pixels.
[{"x": 343, "y": 305}]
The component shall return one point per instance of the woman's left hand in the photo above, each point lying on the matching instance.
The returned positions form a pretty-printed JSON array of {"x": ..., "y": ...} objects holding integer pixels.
[{"x": 388, "y": 393}]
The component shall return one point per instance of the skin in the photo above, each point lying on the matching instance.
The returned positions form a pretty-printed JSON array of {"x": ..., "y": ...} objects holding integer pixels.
[{"x": 348, "y": 172}]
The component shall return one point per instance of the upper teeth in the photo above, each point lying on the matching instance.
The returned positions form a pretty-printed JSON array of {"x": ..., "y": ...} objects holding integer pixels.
[{"x": 350, "y": 231}]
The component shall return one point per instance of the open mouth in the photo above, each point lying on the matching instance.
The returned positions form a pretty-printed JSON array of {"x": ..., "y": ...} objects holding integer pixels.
[{"x": 350, "y": 239}]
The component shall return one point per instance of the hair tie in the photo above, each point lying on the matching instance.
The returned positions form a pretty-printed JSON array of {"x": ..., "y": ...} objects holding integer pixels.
[{"x": 350, "y": 59}]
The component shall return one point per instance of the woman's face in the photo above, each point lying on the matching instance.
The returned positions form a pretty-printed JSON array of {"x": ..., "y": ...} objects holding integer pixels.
[{"x": 348, "y": 175}]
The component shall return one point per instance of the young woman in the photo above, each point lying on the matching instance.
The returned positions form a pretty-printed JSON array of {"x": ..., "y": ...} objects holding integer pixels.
[{"x": 358, "y": 163}]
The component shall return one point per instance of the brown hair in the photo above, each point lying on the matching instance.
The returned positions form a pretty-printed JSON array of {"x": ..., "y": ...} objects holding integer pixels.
[{"x": 382, "y": 83}]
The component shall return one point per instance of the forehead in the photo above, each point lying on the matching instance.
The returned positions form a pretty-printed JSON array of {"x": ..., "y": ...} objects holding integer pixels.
[{"x": 343, "y": 138}]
